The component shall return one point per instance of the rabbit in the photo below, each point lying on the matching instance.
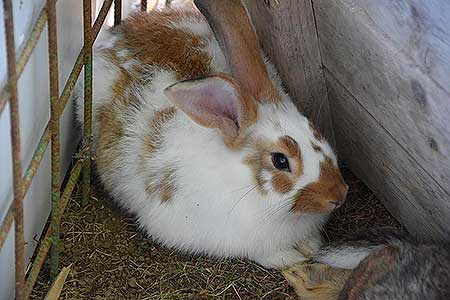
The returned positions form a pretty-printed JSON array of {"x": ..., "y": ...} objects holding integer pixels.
[
  {"x": 377, "y": 265},
  {"x": 195, "y": 136}
]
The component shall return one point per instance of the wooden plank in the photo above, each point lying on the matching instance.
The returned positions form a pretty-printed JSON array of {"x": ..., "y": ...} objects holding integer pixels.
[
  {"x": 394, "y": 90},
  {"x": 410, "y": 193},
  {"x": 288, "y": 35},
  {"x": 420, "y": 29}
]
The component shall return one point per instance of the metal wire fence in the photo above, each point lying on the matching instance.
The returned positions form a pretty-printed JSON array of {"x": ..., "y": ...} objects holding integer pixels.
[{"x": 24, "y": 283}]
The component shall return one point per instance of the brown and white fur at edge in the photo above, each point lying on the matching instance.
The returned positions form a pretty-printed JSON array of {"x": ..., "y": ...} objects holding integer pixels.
[{"x": 200, "y": 142}]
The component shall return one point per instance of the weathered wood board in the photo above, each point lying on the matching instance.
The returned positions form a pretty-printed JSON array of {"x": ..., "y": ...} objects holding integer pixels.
[
  {"x": 393, "y": 73},
  {"x": 408, "y": 191},
  {"x": 419, "y": 29},
  {"x": 288, "y": 35}
]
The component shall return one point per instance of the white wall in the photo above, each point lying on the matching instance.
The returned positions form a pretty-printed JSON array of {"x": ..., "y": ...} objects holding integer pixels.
[{"x": 34, "y": 114}]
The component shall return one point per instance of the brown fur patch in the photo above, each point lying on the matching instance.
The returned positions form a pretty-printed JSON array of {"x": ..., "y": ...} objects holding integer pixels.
[
  {"x": 163, "y": 183},
  {"x": 316, "y": 196},
  {"x": 282, "y": 182},
  {"x": 152, "y": 141},
  {"x": 257, "y": 164},
  {"x": 152, "y": 39},
  {"x": 152, "y": 144},
  {"x": 126, "y": 78},
  {"x": 289, "y": 146},
  {"x": 167, "y": 184},
  {"x": 110, "y": 132}
]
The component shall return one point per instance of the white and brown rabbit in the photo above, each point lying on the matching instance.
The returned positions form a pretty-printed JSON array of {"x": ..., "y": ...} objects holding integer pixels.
[
  {"x": 200, "y": 142},
  {"x": 375, "y": 265}
]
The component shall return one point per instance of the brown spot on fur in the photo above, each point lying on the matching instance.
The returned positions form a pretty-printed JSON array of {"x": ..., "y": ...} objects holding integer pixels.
[
  {"x": 316, "y": 196},
  {"x": 167, "y": 185},
  {"x": 163, "y": 183},
  {"x": 153, "y": 40},
  {"x": 282, "y": 182},
  {"x": 256, "y": 164},
  {"x": 126, "y": 78},
  {"x": 289, "y": 146},
  {"x": 153, "y": 140},
  {"x": 110, "y": 132}
]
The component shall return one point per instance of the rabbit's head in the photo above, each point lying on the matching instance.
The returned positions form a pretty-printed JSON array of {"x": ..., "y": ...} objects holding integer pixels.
[{"x": 286, "y": 155}]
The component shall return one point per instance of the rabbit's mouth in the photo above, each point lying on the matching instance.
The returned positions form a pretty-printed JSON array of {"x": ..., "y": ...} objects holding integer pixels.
[
  {"x": 324, "y": 195},
  {"x": 307, "y": 201}
]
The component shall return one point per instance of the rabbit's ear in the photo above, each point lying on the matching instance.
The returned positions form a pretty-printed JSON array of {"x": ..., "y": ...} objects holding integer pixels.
[
  {"x": 234, "y": 31},
  {"x": 370, "y": 271},
  {"x": 215, "y": 102}
]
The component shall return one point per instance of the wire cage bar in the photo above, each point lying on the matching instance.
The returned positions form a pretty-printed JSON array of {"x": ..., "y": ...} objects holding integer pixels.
[
  {"x": 87, "y": 60},
  {"x": 15, "y": 141},
  {"x": 54, "y": 131},
  {"x": 82, "y": 167}
]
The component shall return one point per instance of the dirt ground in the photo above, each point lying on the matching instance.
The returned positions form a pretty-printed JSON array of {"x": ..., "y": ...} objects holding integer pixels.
[{"x": 112, "y": 260}]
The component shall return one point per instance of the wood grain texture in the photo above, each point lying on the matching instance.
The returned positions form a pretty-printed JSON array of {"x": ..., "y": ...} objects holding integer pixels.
[
  {"x": 408, "y": 191},
  {"x": 419, "y": 29},
  {"x": 391, "y": 86},
  {"x": 287, "y": 32}
]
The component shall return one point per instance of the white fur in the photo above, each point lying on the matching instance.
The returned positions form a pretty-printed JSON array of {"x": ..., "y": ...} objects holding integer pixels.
[
  {"x": 345, "y": 257},
  {"x": 216, "y": 209}
]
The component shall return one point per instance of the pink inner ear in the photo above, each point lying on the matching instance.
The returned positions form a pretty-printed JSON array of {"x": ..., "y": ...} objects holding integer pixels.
[
  {"x": 211, "y": 102},
  {"x": 221, "y": 104}
]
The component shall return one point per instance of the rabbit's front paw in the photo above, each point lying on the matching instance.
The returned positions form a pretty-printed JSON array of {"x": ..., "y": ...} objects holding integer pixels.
[{"x": 316, "y": 281}]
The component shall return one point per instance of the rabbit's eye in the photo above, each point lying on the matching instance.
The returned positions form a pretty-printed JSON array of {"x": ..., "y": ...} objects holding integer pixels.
[{"x": 280, "y": 162}]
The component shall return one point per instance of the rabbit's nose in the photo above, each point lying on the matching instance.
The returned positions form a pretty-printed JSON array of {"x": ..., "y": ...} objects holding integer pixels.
[
  {"x": 340, "y": 199},
  {"x": 336, "y": 204}
]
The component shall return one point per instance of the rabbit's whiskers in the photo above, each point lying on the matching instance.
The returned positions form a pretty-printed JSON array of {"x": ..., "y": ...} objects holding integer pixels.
[{"x": 242, "y": 198}]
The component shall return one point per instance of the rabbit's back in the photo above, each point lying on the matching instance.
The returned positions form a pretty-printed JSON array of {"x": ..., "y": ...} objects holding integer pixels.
[{"x": 133, "y": 63}]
